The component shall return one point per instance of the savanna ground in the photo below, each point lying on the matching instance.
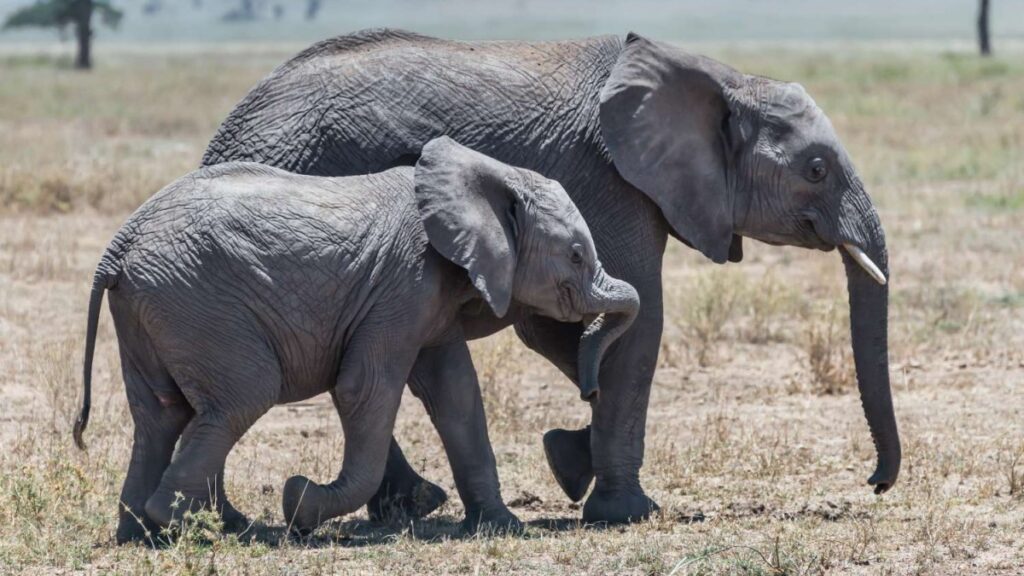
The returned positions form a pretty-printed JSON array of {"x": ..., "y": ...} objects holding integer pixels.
[{"x": 757, "y": 449}]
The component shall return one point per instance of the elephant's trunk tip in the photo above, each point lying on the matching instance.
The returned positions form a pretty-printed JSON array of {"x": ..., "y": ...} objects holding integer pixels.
[
  {"x": 589, "y": 388},
  {"x": 599, "y": 334},
  {"x": 882, "y": 481}
]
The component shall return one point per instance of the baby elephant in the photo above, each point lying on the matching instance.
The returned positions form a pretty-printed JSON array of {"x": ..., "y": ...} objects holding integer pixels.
[{"x": 241, "y": 286}]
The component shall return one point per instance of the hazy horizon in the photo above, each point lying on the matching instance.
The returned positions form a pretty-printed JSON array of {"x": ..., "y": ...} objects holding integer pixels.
[{"x": 686, "y": 20}]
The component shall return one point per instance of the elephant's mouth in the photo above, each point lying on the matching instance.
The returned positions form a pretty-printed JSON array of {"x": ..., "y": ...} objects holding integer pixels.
[
  {"x": 811, "y": 237},
  {"x": 569, "y": 303},
  {"x": 851, "y": 247},
  {"x": 592, "y": 322}
]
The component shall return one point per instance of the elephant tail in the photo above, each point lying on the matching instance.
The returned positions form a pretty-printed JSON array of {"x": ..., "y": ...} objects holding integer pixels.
[{"x": 104, "y": 279}]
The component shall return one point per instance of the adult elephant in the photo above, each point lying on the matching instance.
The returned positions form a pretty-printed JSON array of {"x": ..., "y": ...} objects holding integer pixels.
[{"x": 649, "y": 141}]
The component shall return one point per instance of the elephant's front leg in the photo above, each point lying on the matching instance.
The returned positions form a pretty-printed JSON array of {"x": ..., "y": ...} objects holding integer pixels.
[
  {"x": 619, "y": 419},
  {"x": 612, "y": 448},
  {"x": 445, "y": 380}
]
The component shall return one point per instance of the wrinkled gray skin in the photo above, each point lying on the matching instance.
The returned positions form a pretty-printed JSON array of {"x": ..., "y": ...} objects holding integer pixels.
[
  {"x": 241, "y": 286},
  {"x": 648, "y": 140}
]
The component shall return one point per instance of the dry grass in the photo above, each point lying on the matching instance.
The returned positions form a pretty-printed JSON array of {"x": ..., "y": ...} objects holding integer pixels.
[
  {"x": 756, "y": 446},
  {"x": 829, "y": 355}
]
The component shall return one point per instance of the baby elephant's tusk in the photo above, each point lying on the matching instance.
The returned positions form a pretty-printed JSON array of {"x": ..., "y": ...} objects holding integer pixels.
[{"x": 865, "y": 263}]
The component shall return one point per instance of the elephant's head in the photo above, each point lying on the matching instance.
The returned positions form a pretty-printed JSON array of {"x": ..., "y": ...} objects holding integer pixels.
[
  {"x": 520, "y": 237},
  {"x": 726, "y": 155}
]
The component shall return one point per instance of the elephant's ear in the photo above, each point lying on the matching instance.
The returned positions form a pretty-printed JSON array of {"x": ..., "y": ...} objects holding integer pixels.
[
  {"x": 469, "y": 210},
  {"x": 665, "y": 121}
]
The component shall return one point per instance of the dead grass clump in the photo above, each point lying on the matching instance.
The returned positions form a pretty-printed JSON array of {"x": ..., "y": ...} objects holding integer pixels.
[
  {"x": 499, "y": 367},
  {"x": 828, "y": 352},
  {"x": 768, "y": 301},
  {"x": 711, "y": 302},
  {"x": 954, "y": 310},
  {"x": 56, "y": 375},
  {"x": 720, "y": 304},
  {"x": 55, "y": 195},
  {"x": 1011, "y": 458},
  {"x": 47, "y": 510}
]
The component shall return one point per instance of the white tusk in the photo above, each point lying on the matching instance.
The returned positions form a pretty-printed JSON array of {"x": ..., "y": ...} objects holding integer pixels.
[{"x": 865, "y": 263}]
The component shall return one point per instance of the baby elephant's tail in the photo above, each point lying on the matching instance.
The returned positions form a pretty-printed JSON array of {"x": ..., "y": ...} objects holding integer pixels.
[{"x": 104, "y": 279}]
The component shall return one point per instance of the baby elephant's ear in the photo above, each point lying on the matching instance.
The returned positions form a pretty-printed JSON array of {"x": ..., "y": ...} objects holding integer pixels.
[{"x": 468, "y": 210}]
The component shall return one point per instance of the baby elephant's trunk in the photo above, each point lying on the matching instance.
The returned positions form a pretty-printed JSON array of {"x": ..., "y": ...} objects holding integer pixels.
[{"x": 616, "y": 303}]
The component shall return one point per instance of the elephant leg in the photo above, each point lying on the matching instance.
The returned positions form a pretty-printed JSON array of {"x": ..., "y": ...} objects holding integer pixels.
[
  {"x": 197, "y": 470},
  {"x": 157, "y": 427},
  {"x": 616, "y": 435},
  {"x": 367, "y": 394},
  {"x": 403, "y": 492},
  {"x": 226, "y": 405},
  {"x": 568, "y": 456},
  {"x": 618, "y": 422},
  {"x": 445, "y": 380},
  {"x": 234, "y": 521},
  {"x": 567, "y": 451}
]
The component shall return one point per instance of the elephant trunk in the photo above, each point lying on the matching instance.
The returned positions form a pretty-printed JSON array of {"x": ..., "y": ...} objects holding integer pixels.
[
  {"x": 869, "y": 313},
  {"x": 616, "y": 305}
]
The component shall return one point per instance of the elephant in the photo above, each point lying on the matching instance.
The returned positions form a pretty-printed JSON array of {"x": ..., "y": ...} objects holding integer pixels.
[
  {"x": 650, "y": 141},
  {"x": 242, "y": 286}
]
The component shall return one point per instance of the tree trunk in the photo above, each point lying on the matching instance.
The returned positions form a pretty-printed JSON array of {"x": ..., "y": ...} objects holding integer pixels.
[
  {"x": 983, "y": 38},
  {"x": 83, "y": 34},
  {"x": 312, "y": 8}
]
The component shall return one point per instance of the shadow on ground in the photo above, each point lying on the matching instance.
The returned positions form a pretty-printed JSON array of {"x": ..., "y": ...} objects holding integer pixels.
[{"x": 363, "y": 533}]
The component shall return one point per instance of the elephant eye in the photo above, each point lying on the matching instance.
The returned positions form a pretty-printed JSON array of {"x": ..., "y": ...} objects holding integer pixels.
[
  {"x": 816, "y": 169},
  {"x": 577, "y": 254}
]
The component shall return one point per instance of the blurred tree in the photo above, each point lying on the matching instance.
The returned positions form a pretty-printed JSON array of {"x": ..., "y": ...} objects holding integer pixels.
[
  {"x": 983, "y": 39},
  {"x": 244, "y": 12},
  {"x": 63, "y": 13},
  {"x": 312, "y": 8}
]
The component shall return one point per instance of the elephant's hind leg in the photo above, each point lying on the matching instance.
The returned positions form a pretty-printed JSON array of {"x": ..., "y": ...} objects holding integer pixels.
[
  {"x": 237, "y": 395},
  {"x": 159, "y": 421},
  {"x": 159, "y": 413},
  {"x": 234, "y": 521},
  {"x": 403, "y": 492}
]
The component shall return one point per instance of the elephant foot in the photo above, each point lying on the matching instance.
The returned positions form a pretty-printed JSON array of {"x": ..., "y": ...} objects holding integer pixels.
[
  {"x": 494, "y": 521},
  {"x": 126, "y": 534},
  {"x": 568, "y": 454},
  {"x": 411, "y": 497},
  {"x": 167, "y": 510},
  {"x": 134, "y": 526},
  {"x": 234, "y": 521},
  {"x": 164, "y": 509},
  {"x": 618, "y": 507},
  {"x": 299, "y": 501}
]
